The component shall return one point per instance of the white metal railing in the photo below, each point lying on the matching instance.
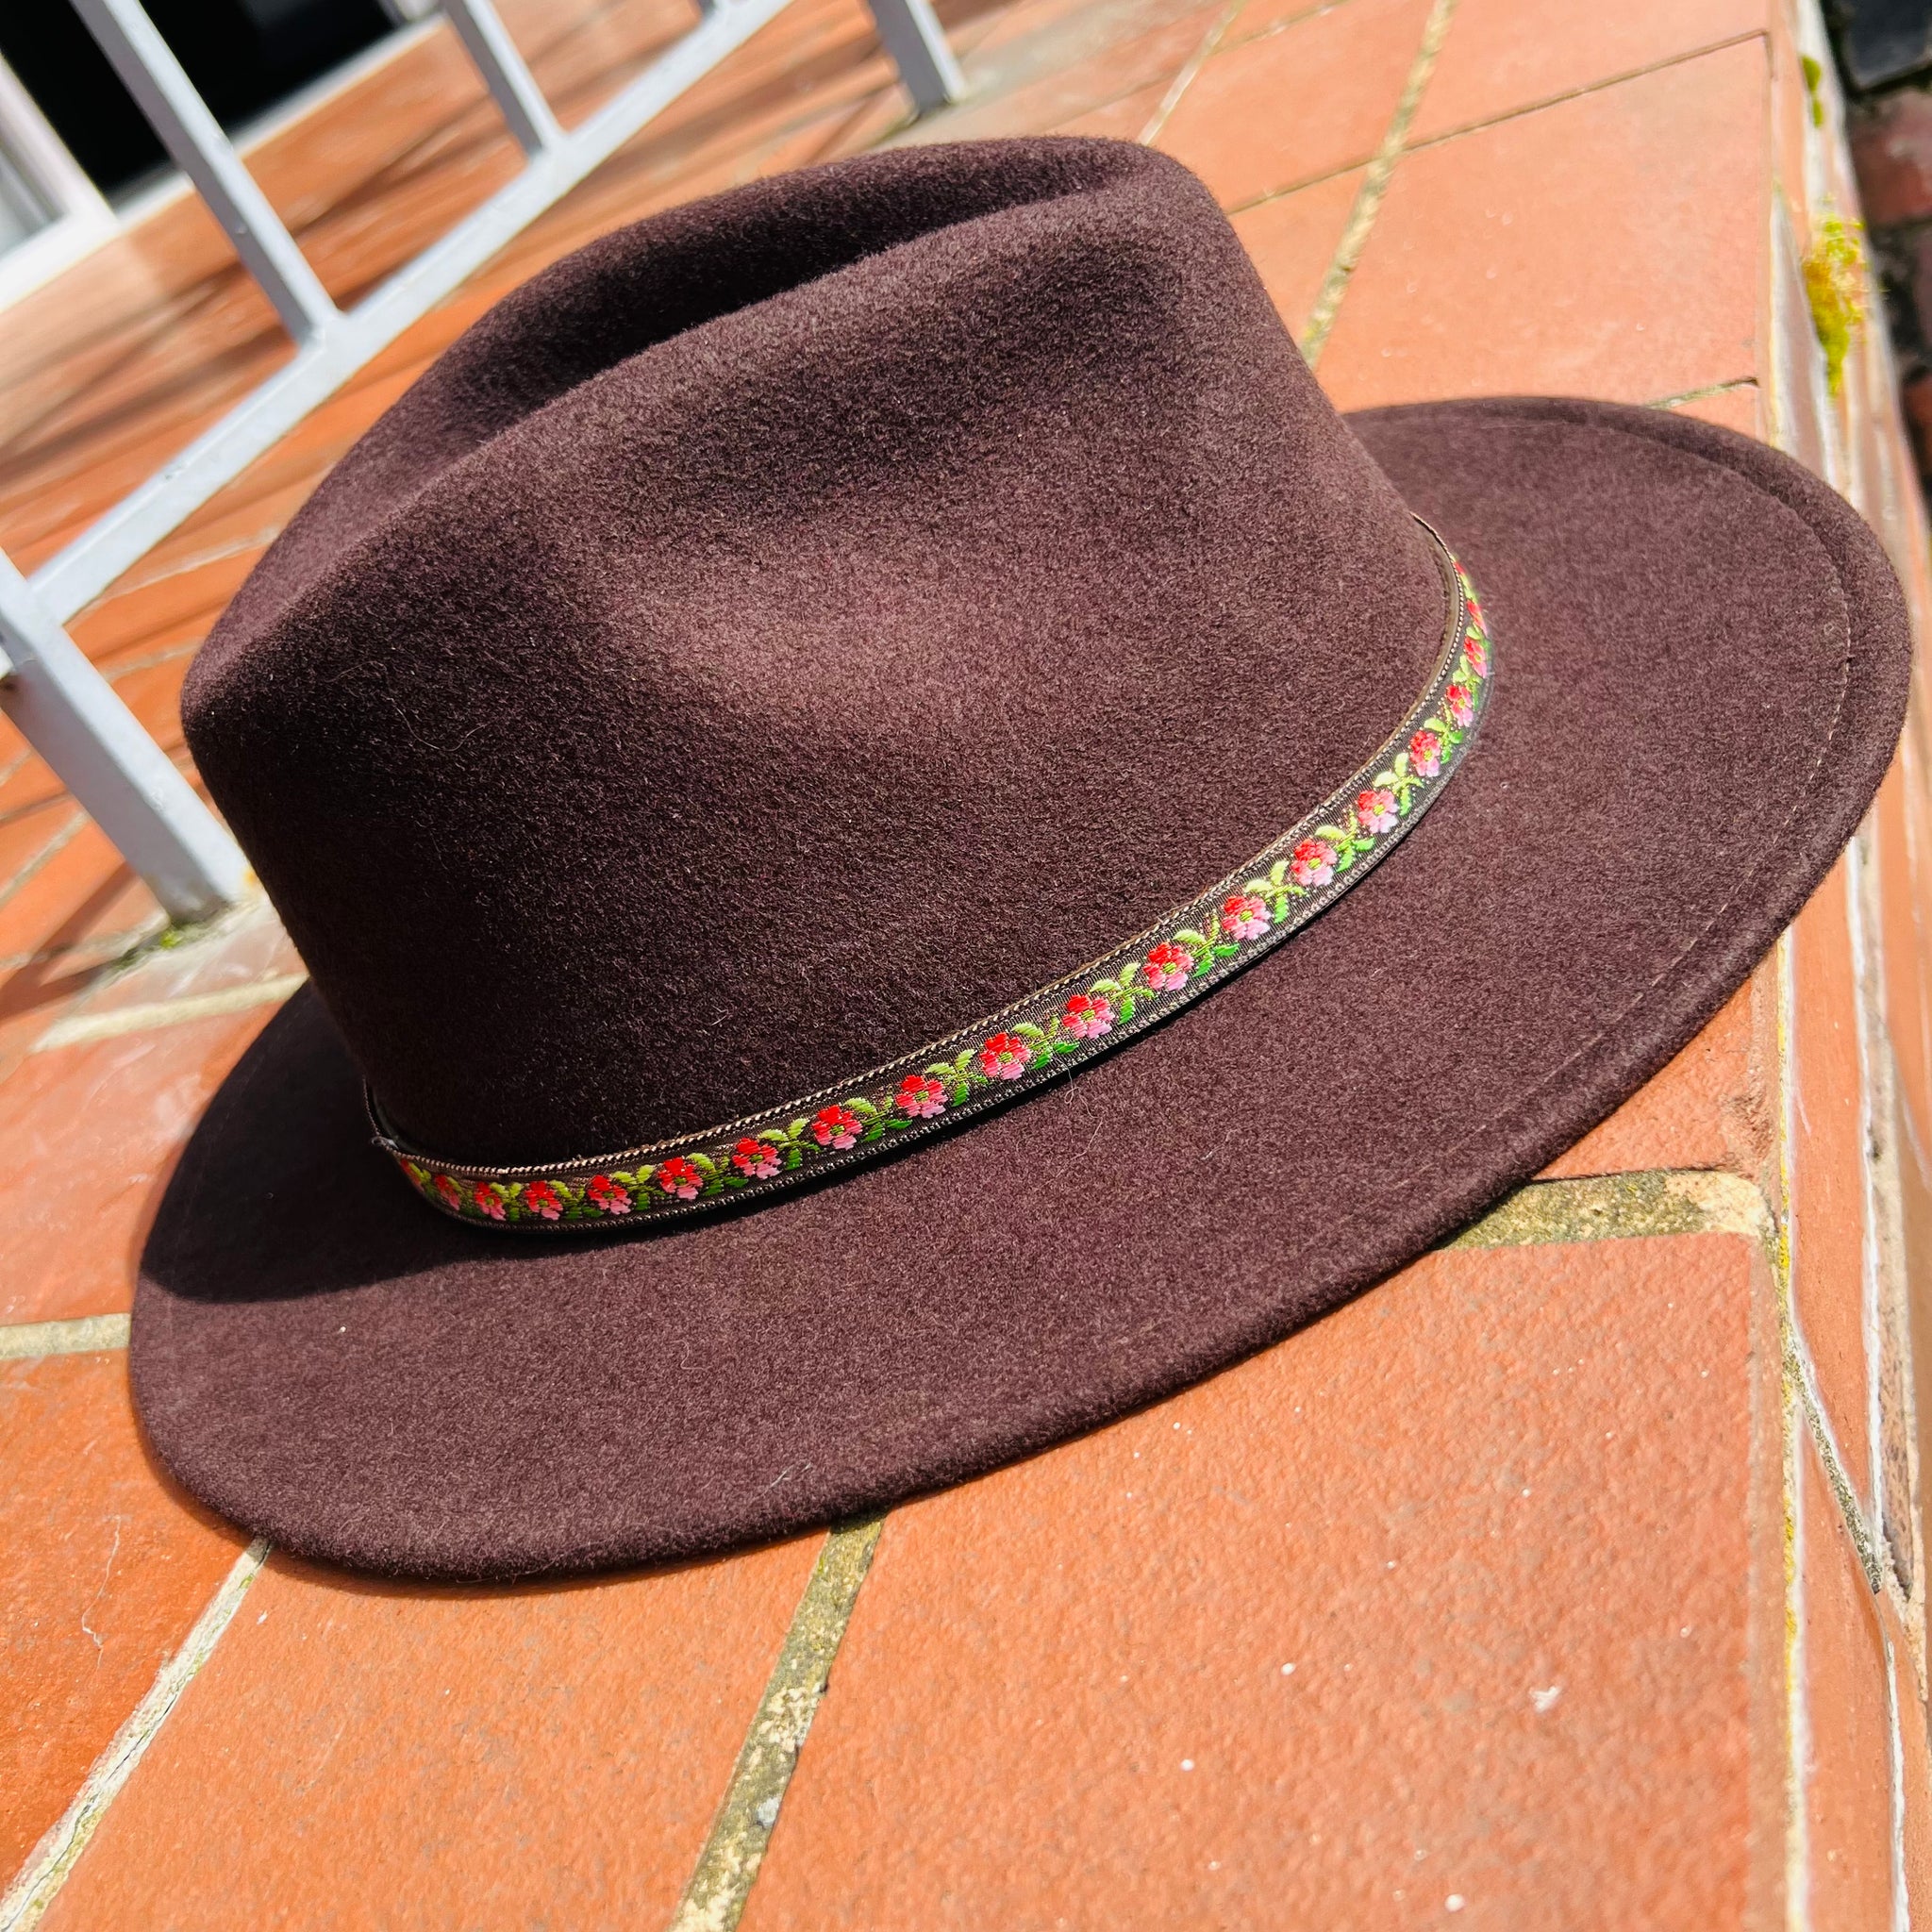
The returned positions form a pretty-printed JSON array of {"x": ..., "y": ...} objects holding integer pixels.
[{"x": 61, "y": 705}]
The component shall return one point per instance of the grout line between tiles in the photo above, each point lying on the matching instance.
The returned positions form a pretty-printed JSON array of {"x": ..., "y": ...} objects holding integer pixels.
[
  {"x": 32, "y": 1891},
  {"x": 1703, "y": 395},
  {"x": 1797, "y": 1717},
  {"x": 57, "y": 843},
  {"x": 1900, "y": 1903},
  {"x": 1577, "y": 94},
  {"x": 1368, "y": 200},
  {"x": 79, "y": 1335},
  {"x": 1182, "y": 81},
  {"x": 721, "y": 1880},
  {"x": 1622, "y": 1206},
  {"x": 80, "y": 1028}
]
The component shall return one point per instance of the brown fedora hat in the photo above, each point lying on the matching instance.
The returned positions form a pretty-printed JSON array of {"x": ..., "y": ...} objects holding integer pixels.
[{"x": 905, "y": 843}]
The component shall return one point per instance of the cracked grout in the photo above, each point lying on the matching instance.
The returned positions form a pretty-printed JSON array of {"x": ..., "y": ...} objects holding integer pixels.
[
  {"x": 76, "y": 1335},
  {"x": 47, "y": 1867}
]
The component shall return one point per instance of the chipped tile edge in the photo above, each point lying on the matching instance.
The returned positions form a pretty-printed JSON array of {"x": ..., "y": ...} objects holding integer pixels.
[
  {"x": 721, "y": 1882},
  {"x": 61, "y": 1847},
  {"x": 80, "y": 1029},
  {"x": 79, "y": 1335}
]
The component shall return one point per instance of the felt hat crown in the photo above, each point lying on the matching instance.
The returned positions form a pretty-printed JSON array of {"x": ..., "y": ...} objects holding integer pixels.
[
  {"x": 813, "y": 621},
  {"x": 783, "y": 632}
]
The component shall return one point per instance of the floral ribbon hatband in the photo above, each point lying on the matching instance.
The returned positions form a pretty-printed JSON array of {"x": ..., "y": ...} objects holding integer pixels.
[{"x": 1042, "y": 1035}]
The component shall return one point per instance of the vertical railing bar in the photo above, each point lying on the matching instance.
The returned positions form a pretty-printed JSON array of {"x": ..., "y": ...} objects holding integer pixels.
[
  {"x": 511, "y": 84},
  {"x": 124, "y": 780},
  {"x": 193, "y": 137},
  {"x": 912, "y": 36}
]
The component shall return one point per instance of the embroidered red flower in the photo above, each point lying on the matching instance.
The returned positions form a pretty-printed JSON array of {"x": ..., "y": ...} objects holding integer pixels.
[
  {"x": 1168, "y": 966},
  {"x": 1376, "y": 809},
  {"x": 675, "y": 1176},
  {"x": 487, "y": 1201},
  {"x": 1089, "y": 1017},
  {"x": 757, "y": 1160},
  {"x": 1425, "y": 753},
  {"x": 452, "y": 1195},
  {"x": 1477, "y": 651},
  {"x": 1312, "y": 862},
  {"x": 612, "y": 1197},
  {"x": 1461, "y": 702},
  {"x": 837, "y": 1127},
  {"x": 544, "y": 1200},
  {"x": 1005, "y": 1057},
  {"x": 1245, "y": 915},
  {"x": 920, "y": 1097}
]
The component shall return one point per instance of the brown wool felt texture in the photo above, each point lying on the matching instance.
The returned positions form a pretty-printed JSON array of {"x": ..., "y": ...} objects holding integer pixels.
[{"x": 813, "y": 617}]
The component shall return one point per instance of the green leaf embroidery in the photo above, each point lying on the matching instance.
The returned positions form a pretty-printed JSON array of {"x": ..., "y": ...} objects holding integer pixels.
[
  {"x": 1026, "y": 1030},
  {"x": 863, "y": 1108}
]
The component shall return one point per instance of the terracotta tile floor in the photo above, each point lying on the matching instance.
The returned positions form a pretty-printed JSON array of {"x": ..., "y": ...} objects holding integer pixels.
[{"x": 1571, "y": 1579}]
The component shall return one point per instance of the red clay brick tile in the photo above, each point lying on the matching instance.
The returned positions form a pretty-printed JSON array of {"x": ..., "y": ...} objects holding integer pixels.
[
  {"x": 87, "y": 1136},
  {"x": 1504, "y": 55},
  {"x": 1792, "y": 121},
  {"x": 1712, "y": 1107},
  {"x": 1292, "y": 239},
  {"x": 106, "y": 1571},
  {"x": 1738, "y": 407},
  {"x": 1827, "y": 1168},
  {"x": 82, "y": 890},
  {"x": 1847, "y": 1759},
  {"x": 1610, "y": 246},
  {"x": 1458, "y": 1595},
  {"x": 1903, "y": 819},
  {"x": 1916, "y": 1755},
  {"x": 1296, "y": 105},
  {"x": 1126, "y": 118},
  {"x": 361, "y": 1754},
  {"x": 1067, "y": 89}
]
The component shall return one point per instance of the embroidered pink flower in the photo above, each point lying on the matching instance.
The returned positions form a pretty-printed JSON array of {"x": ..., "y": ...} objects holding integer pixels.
[
  {"x": 1376, "y": 809},
  {"x": 1477, "y": 651},
  {"x": 1461, "y": 702},
  {"x": 452, "y": 1195},
  {"x": 1089, "y": 1017},
  {"x": 675, "y": 1176},
  {"x": 544, "y": 1200},
  {"x": 1312, "y": 862},
  {"x": 1245, "y": 915},
  {"x": 487, "y": 1201},
  {"x": 1005, "y": 1057},
  {"x": 1425, "y": 753},
  {"x": 757, "y": 1160},
  {"x": 920, "y": 1097},
  {"x": 837, "y": 1127},
  {"x": 1168, "y": 966}
]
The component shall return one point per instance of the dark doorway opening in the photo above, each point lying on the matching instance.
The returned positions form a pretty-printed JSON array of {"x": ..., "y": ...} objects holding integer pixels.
[{"x": 242, "y": 56}]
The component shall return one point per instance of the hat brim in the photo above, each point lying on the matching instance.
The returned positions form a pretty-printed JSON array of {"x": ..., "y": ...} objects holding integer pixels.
[{"x": 1700, "y": 669}]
